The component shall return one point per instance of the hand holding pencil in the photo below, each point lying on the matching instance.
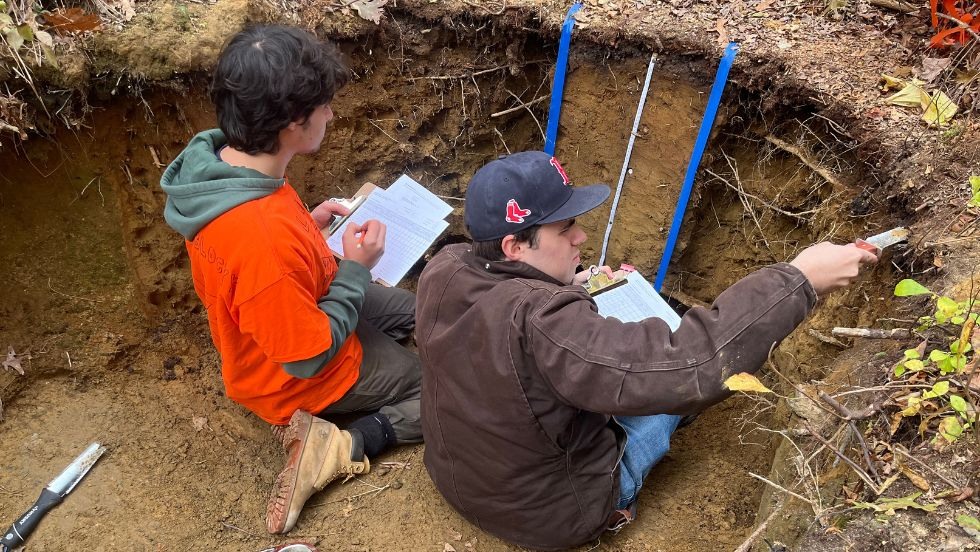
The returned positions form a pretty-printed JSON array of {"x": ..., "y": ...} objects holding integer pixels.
[{"x": 364, "y": 243}]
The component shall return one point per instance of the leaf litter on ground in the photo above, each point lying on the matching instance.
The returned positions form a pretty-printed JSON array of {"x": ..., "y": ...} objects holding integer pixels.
[
  {"x": 888, "y": 506},
  {"x": 937, "y": 108},
  {"x": 370, "y": 10},
  {"x": 12, "y": 362}
]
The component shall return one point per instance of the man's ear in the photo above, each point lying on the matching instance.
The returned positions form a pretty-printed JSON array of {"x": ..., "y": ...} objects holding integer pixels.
[
  {"x": 512, "y": 248},
  {"x": 287, "y": 133}
]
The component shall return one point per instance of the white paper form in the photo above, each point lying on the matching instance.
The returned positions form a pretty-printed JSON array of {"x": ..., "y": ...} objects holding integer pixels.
[
  {"x": 406, "y": 239},
  {"x": 417, "y": 200},
  {"x": 634, "y": 301}
]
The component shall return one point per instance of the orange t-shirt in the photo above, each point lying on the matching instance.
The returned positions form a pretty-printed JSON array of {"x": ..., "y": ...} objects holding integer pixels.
[{"x": 260, "y": 269}]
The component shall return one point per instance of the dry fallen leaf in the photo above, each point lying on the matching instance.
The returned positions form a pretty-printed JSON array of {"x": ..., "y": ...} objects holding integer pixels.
[
  {"x": 371, "y": 10},
  {"x": 722, "y": 32},
  {"x": 199, "y": 422},
  {"x": 938, "y": 109},
  {"x": 128, "y": 8},
  {"x": 975, "y": 382},
  {"x": 72, "y": 20},
  {"x": 746, "y": 382},
  {"x": 910, "y": 95},
  {"x": 887, "y": 83},
  {"x": 448, "y": 548},
  {"x": 932, "y": 67},
  {"x": 965, "y": 493},
  {"x": 12, "y": 362},
  {"x": 914, "y": 477}
]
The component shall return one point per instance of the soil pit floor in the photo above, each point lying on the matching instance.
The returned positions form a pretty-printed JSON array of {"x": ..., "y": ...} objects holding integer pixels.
[{"x": 97, "y": 292}]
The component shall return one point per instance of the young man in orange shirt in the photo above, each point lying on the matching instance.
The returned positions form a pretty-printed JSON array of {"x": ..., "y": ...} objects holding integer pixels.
[{"x": 298, "y": 333}]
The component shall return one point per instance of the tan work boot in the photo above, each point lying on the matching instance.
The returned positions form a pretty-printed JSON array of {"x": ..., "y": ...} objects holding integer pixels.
[
  {"x": 280, "y": 433},
  {"x": 319, "y": 452}
]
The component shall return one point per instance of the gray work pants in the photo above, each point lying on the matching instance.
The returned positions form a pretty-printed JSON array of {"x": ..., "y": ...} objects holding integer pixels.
[{"x": 390, "y": 379}]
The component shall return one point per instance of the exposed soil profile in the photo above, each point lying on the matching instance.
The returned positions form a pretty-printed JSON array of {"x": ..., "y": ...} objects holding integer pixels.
[{"x": 97, "y": 288}]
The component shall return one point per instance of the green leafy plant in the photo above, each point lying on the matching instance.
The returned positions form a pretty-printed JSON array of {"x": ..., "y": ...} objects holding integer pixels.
[
  {"x": 912, "y": 362},
  {"x": 955, "y": 414},
  {"x": 26, "y": 32},
  {"x": 947, "y": 309},
  {"x": 974, "y": 191}
]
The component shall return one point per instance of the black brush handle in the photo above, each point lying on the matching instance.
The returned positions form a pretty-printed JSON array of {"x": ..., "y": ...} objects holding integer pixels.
[{"x": 23, "y": 527}]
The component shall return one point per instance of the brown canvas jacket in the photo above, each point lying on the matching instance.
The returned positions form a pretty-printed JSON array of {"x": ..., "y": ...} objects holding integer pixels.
[{"x": 521, "y": 375}]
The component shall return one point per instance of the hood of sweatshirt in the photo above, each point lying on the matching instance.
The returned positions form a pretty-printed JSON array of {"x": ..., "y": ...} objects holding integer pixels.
[{"x": 200, "y": 187}]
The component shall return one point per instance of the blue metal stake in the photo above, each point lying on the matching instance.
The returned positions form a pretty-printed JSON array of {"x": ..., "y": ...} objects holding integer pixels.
[
  {"x": 558, "y": 87},
  {"x": 721, "y": 78}
]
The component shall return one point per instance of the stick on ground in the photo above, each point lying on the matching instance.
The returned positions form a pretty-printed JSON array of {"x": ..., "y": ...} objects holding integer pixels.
[
  {"x": 872, "y": 333},
  {"x": 747, "y": 545},
  {"x": 896, "y": 5}
]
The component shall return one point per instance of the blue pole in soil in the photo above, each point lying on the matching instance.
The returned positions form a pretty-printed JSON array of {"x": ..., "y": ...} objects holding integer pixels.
[
  {"x": 721, "y": 78},
  {"x": 558, "y": 86}
]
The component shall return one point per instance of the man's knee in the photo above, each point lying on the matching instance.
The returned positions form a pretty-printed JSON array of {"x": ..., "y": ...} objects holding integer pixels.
[
  {"x": 406, "y": 419},
  {"x": 390, "y": 310},
  {"x": 412, "y": 375}
]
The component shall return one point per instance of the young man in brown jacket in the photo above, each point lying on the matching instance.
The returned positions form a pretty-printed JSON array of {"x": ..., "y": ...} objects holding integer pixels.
[{"x": 542, "y": 417}]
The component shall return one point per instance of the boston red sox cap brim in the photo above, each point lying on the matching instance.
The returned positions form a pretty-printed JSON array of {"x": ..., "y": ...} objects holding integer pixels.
[{"x": 581, "y": 201}]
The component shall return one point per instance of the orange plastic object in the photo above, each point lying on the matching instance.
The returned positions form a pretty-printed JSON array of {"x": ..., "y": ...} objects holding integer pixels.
[
  {"x": 964, "y": 11},
  {"x": 861, "y": 244}
]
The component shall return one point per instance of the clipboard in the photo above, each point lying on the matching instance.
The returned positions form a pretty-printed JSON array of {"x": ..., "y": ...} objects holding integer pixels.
[
  {"x": 598, "y": 282},
  {"x": 352, "y": 204},
  {"x": 403, "y": 207}
]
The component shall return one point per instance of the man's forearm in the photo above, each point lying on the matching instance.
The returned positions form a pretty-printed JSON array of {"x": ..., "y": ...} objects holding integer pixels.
[
  {"x": 644, "y": 368},
  {"x": 341, "y": 304}
]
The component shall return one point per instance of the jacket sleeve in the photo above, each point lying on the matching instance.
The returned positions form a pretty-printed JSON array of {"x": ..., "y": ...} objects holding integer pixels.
[
  {"x": 341, "y": 304},
  {"x": 642, "y": 368}
]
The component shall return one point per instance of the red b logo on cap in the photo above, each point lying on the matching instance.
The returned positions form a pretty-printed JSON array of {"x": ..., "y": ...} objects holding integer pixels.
[
  {"x": 514, "y": 212},
  {"x": 561, "y": 171}
]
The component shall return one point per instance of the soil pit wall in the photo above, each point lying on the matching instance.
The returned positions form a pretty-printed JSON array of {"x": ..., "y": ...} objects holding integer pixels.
[{"x": 99, "y": 293}]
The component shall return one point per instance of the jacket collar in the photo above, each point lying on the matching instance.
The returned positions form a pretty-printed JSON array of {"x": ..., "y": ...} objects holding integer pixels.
[{"x": 500, "y": 270}]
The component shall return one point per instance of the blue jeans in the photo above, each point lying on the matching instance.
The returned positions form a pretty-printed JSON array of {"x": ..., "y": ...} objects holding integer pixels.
[{"x": 648, "y": 443}]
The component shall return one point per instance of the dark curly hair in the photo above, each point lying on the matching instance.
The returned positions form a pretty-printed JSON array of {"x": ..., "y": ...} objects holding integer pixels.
[{"x": 269, "y": 76}]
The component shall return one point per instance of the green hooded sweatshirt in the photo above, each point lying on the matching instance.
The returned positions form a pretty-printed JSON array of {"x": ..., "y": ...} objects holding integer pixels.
[{"x": 200, "y": 187}]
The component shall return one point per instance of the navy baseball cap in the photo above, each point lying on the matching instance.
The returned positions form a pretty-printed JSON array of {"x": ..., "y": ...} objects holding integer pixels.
[{"x": 518, "y": 191}]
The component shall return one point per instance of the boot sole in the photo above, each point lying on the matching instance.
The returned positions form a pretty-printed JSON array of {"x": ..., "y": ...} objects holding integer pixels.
[{"x": 294, "y": 438}]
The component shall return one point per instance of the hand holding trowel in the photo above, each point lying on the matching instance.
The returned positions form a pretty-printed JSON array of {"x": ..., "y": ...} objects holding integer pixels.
[
  {"x": 877, "y": 243},
  {"x": 51, "y": 496}
]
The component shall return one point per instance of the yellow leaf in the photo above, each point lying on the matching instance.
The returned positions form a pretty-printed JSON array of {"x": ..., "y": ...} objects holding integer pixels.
[
  {"x": 889, "y": 83},
  {"x": 914, "y": 477},
  {"x": 914, "y": 406},
  {"x": 911, "y": 95},
  {"x": 938, "y": 109},
  {"x": 746, "y": 382}
]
